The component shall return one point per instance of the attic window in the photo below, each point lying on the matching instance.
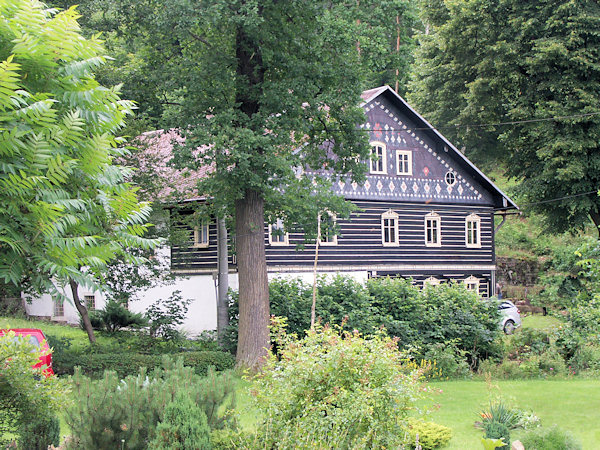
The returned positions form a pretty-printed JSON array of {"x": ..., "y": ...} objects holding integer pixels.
[
  {"x": 450, "y": 178},
  {"x": 378, "y": 157},
  {"x": 431, "y": 281},
  {"x": 404, "y": 162}
]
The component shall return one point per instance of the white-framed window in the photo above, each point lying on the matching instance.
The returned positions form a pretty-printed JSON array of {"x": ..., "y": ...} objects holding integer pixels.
[
  {"x": 472, "y": 284},
  {"x": 277, "y": 234},
  {"x": 404, "y": 162},
  {"x": 450, "y": 178},
  {"x": 202, "y": 234},
  {"x": 378, "y": 157},
  {"x": 59, "y": 308},
  {"x": 89, "y": 301},
  {"x": 389, "y": 229},
  {"x": 431, "y": 281},
  {"x": 328, "y": 229},
  {"x": 473, "y": 231},
  {"x": 433, "y": 230}
]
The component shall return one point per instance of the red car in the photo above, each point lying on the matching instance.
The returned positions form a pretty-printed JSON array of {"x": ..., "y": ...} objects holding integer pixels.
[{"x": 36, "y": 338}]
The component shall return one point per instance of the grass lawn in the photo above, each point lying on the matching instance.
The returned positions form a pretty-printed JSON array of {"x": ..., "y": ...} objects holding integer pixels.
[
  {"x": 539, "y": 322},
  {"x": 573, "y": 405}
]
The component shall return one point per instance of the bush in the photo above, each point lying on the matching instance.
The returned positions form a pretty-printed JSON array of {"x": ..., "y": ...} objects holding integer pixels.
[
  {"x": 334, "y": 389},
  {"x": 183, "y": 427},
  {"x": 496, "y": 430},
  {"x": 549, "y": 439},
  {"x": 115, "y": 316},
  {"x": 165, "y": 315},
  {"x": 125, "y": 364},
  {"x": 449, "y": 359},
  {"x": 40, "y": 432},
  {"x": 110, "y": 410},
  {"x": 403, "y": 309},
  {"x": 430, "y": 434}
]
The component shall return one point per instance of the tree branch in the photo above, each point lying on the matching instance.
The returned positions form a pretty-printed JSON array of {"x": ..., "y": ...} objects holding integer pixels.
[{"x": 201, "y": 39}]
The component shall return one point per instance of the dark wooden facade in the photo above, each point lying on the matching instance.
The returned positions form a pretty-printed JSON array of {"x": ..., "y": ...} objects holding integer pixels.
[{"x": 419, "y": 174}]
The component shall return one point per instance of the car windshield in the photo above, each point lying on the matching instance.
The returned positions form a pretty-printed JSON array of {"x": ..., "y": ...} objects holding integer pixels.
[{"x": 32, "y": 340}]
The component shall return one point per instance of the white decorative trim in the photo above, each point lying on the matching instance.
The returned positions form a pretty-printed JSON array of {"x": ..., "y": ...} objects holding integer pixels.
[
  {"x": 381, "y": 268},
  {"x": 431, "y": 281},
  {"x": 410, "y": 164},
  {"x": 472, "y": 283},
  {"x": 476, "y": 220},
  {"x": 286, "y": 236},
  {"x": 383, "y": 157},
  {"x": 390, "y": 215},
  {"x": 433, "y": 217}
]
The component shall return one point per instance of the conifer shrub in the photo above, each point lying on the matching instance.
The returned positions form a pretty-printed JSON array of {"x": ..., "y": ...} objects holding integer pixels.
[
  {"x": 497, "y": 430},
  {"x": 334, "y": 389},
  {"x": 183, "y": 427},
  {"x": 111, "y": 410}
]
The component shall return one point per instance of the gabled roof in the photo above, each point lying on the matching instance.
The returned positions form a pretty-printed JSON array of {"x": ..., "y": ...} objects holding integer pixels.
[{"x": 504, "y": 202}]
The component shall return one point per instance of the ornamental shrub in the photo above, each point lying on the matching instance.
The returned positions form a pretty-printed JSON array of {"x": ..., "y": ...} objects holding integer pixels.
[
  {"x": 334, "y": 389},
  {"x": 550, "y": 439},
  {"x": 183, "y": 427},
  {"x": 110, "y": 410},
  {"x": 497, "y": 430},
  {"x": 430, "y": 435}
]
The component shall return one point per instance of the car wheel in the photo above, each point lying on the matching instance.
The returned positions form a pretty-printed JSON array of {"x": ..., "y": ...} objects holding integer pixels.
[{"x": 509, "y": 327}]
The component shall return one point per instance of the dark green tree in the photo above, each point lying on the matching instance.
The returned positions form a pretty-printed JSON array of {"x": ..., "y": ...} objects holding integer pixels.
[{"x": 520, "y": 62}]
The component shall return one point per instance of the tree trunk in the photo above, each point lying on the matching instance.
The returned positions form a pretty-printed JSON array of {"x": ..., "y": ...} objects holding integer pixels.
[
  {"x": 222, "y": 302},
  {"x": 313, "y": 308},
  {"x": 595, "y": 215},
  {"x": 82, "y": 312},
  {"x": 253, "y": 331}
]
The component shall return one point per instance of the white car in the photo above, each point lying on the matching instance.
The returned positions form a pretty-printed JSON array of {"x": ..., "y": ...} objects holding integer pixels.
[{"x": 511, "y": 319}]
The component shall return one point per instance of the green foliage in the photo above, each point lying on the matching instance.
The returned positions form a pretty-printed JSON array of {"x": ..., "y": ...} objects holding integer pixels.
[
  {"x": 110, "y": 409},
  {"x": 430, "y": 435},
  {"x": 115, "y": 316},
  {"x": 497, "y": 430},
  {"x": 492, "y": 444},
  {"x": 499, "y": 413},
  {"x": 183, "y": 427},
  {"x": 550, "y": 439},
  {"x": 125, "y": 364},
  {"x": 64, "y": 204},
  {"x": 334, "y": 389},
  {"x": 484, "y": 62},
  {"x": 39, "y": 433},
  {"x": 466, "y": 326},
  {"x": 165, "y": 315},
  {"x": 26, "y": 396}
]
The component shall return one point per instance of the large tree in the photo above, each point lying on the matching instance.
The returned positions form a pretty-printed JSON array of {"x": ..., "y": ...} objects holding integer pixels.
[
  {"x": 255, "y": 82},
  {"x": 65, "y": 208},
  {"x": 532, "y": 68}
]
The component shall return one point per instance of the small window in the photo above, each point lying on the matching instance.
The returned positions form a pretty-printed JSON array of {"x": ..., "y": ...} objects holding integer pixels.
[
  {"x": 450, "y": 178},
  {"x": 431, "y": 281},
  {"x": 378, "y": 158},
  {"x": 472, "y": 284},
  {"x": 328, "y": 230},
  {"x": 59, "y": 308},
  {"x": 277, "y": 234},
  {"x": 473, "y": 231},
  {"x": 202, "y": 234},
  {"x": 404, "y": 162},
  {"x": 389, "y": 229},
  {"x": 433, "y": 230},
  {"x": 90, "y": 302}
]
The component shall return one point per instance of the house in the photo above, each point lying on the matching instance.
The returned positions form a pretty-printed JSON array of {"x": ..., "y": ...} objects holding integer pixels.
[{"x": 425, "y": 212}]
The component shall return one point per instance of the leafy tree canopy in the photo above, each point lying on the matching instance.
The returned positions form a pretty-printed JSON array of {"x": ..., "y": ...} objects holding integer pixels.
[
  {"x": 488, "y": 62},
  {"x": 63, "y": 205}
]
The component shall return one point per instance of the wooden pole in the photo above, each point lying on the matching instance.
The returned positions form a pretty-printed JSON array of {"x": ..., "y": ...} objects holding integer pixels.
[{"x": 314, "y": 294}]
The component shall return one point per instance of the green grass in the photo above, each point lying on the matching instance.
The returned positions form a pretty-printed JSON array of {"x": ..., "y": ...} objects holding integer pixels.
[
  {"x": 539, "y": 322},
  {"x": 573, "y": 405},
  {"x": 78, "y": 336}
]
